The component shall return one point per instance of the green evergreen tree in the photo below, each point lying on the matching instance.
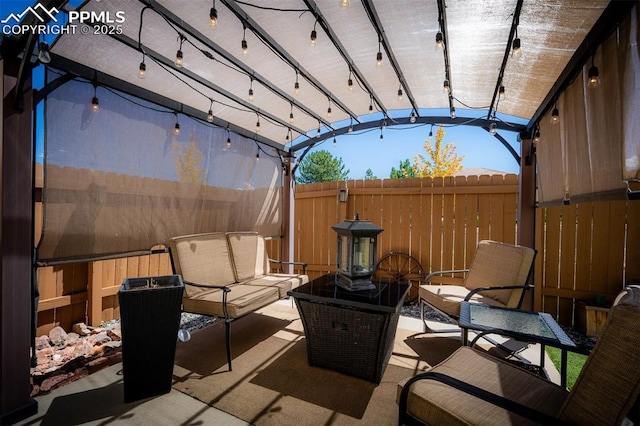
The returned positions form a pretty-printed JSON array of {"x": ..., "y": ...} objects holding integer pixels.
[
  {"x": 368, "y": 175},
  {"x": 321, "y": 166},
  {"x": 404, "y": 170}
]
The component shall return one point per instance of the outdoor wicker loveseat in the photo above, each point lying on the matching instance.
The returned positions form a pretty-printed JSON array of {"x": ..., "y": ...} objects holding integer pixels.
[{"x": 228, "y": 275}]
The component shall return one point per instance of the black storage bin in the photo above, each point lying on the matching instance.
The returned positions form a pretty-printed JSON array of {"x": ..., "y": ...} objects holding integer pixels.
[{"x": 150, "y": 309}]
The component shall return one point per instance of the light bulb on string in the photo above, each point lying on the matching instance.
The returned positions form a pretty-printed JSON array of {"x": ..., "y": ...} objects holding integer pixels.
[
  {"x": 314, "y": 35},
  {"x": 296, "y": 85},
  {"x": 493, "y": 128},
  {"x": 536, "y": 136},
  {"x": 501, "y": 92},
  {"x": 399, "y": 93},
  {"x": 379, "y": 56},
  {"x": 452, "y": 112},
  {"x": 95, "y": 103},
  {"x": 291, "y": 119},
  {"x": 179, "y": 56},
  {"x": 516, "y": 51},
  {"x": 243, "y": 44},
  {"x": 251, "y": 90},
  {"x": 210, "y": 113},
  {"x": 555, "y": 115},
  {"x": 329, "y": 109},
  {"x": 593, "y": 80},
  {"x": 142, "y": 69},
  {"x": 213, "y": 16},
  {"x": 344, "y": 4},
  {"x": 445, "y": 86},
  {"x": 439, "y": 40},
  {"x": 412, "y": 117},
  {"x": 350, "y": 81}
]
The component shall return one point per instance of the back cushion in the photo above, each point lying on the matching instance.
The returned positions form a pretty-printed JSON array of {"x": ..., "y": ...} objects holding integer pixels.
[
  {"x": 249, "y": 254},
  {"x": 203, "y": 259},
  {"x": 499, "y": 264}
]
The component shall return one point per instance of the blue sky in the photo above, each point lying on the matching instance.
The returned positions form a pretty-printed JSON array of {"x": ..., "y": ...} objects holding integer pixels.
[{"x": 364, "y": 150}]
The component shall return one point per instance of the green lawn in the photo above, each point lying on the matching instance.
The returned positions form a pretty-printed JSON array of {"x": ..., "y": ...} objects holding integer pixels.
[{"x": 574, "y": 364}]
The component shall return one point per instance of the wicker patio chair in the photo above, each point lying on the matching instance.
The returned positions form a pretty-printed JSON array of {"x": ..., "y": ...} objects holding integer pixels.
[
  {"x": 497, "y": 276},
  {"x": 473, "y": 387}
]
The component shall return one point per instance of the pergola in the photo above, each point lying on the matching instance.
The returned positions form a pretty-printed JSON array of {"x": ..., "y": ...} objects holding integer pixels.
[{"x": 284, "y": 76}]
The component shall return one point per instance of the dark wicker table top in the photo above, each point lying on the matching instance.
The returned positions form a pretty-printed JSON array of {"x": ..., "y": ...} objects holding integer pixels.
[{"x": 387, "y": 296}]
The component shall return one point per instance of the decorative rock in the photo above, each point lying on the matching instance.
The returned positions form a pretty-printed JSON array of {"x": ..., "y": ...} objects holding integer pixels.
[
  {"x": 81, "y": 328},
  {"x": 57, "y": 336},
  {"x": 42, "y": 342}
]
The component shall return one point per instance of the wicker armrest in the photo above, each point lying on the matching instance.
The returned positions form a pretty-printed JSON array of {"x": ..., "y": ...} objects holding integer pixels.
[
  {"x": 507, "y": 404},
  {"x": 302, "y": 264},
  {"x": 436, "y": 273}
]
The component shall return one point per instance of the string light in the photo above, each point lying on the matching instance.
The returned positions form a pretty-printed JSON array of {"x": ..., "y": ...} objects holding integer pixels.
[
  {"x": 176, "y": 128},
  {"x": 291, "y": 119},
  {"x": 243, "y": 44},
  {"x": 344, "y": 4},
  {"x": 318, "y": 128},
  {"x": 335, "y": 143},
  {"x": 370, "y": 104},
  {"x": 258, "y": 125},
  {"x": 213, "y": 16},
  {"x": 142, "y": 69},
  {"x": 95, "y": 103},
  {"x": 412, "y": 117},
  {"x": 400, "y": 93},
  {"x": 381, "y": 135},
  {"x": 210, "y": 113},
  {"x": 296, "y": 86},
  {"x": 314, "y": 34},
  {"x": 329, "y": 109},
  {"x": 350, "y": 81},
  {"x": 251, "y": 90},
  {"x": 493, "y": 128},
  {"x": 228, "y": 138},
  {"x": 501, "y": 92},
  {"x": 379, "y": 55},
  {"x": 536, "y": 137},
  {"x": 439, "y": 40},
  {"x": 179, "y": 56},
  {"x": 452, "y": 112},
  {"x": 594, "y": 76},
  {"x": 555, "y": 115},
  {"x": 515, "y": 46},
  {"x": 350, "y": 125},
  {"x": 445, "y": 86},
  {"x": 258, "y": 155}
]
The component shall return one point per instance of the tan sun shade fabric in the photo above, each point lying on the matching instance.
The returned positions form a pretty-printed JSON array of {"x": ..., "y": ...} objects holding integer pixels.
[
  {"x": 630, "y": 54},
  {"x": 595, "y": 146},
  {"x": 118, "y": 180}
]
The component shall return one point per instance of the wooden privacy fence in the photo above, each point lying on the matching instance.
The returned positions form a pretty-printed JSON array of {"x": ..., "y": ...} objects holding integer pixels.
[
  {"x": 437, "y": 221},
  {"x": 583, "y": 250}
]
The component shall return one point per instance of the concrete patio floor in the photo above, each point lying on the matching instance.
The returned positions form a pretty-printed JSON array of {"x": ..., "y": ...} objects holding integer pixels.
[{"x": 99, "y": 399}]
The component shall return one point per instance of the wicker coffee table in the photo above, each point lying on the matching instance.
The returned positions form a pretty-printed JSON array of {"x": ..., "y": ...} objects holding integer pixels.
[{"x": 350, "y": 331}]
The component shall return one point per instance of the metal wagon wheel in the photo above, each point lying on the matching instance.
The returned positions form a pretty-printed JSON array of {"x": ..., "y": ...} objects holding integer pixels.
[{"x": 401, "y": 267}]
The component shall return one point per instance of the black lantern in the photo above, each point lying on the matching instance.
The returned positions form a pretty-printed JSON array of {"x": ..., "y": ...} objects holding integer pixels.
[{"x": 357, "y": 241}]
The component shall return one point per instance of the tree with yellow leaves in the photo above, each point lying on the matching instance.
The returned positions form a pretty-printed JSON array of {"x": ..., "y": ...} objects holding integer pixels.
[
  {"x": 442, "y": 160},
  {"x": 189, "y": 162}
]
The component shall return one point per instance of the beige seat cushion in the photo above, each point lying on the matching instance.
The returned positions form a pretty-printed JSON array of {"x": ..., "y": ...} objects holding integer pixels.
[
  {"x": 249, "y": 255},
  {"x": 202, "y": 259},
  {"x": 447, "y": 298},
  {"x": 437, "y": 403},
  {"x": 241, "y": 300},
  {"x": 283, "y": 282}
]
